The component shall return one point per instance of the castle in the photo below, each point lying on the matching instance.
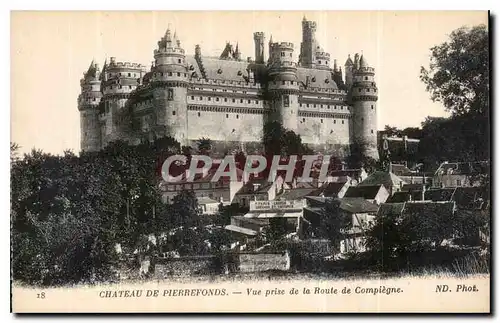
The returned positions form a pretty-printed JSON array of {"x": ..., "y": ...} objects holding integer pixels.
[{"x": 229, "y": 99}]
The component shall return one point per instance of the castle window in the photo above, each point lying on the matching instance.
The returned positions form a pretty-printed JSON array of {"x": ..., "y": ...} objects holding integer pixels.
[
  {"x": 290, "y": 54},
  {"x": 374, "y": 90},
  {"x": 199, "y": 114},
  {"x": 227, "y": 115},
  {"x": 303, "y": 119},
  {"x": 180, "y": 61},
  {"x": 119, "y": 74},
  {"x": 234, "y": 100},
  {"x": 225, "y": 99},
  {"x": 170, "y": 94},
  {"x": 372, "y": 106},
  {"x": 129, "y": 74},
  {"x": 93, "y": 99},
  {"x": 342, "y": 108},
  {"x": 209, "y": 99},
  {"x": 315, "y": 105},
  {"x": 201, "y": 98},
  {"x": 169, "y": 73},
  {"x": 214, "y": 90},
  {"x": 372, "y": 130},
  {"x": 224, "y": 90},
  {"x": 241, "y": 100},
  {"x": 192, "y": 97},
  {"x": 300, "y": 105},
  {"x": 367, "y": 90},
  {"x": 178, "y": 74},
  {"x": 359, "y": 90},
  {"x": 328, "y": 107},
  {"x": 185, "y": 75},
  {"x": 321, "y": 120},
  {"x": 283, "y": 82},
  {"x": 319, "y": 62},
  {"x": 237, "y": 116},
  {"x": 283, "y": 54},
  {"x": 217, "y": 99},
  {"x": 307, "y": 105},
  {"x": 256, "y": 102},
  {"x": 120, "y": 86},
  {"x": 334, "y": 121},
  {"x": 173, "y": 113},
  {"x": 342, "y": 121}
]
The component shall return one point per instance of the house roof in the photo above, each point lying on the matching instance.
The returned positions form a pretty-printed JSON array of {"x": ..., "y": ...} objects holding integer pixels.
[
  {"x": 206, "y": 200},
  {"x": 317, "y": 78},
  {"x": 366, "y": 192},
  {"x": 470, "y": 168},
  {"x": 250, "y": 187},
  {"x": 348, "y": 204},
  {"x": 464, "y": 197},
  {"x": 298, "y": 193},
  {"x": 400, "y": 170},
  {"x": 331, "y": 189},
  {"x": 416, "y": 208},
  {"x": 382, "y": 178}
]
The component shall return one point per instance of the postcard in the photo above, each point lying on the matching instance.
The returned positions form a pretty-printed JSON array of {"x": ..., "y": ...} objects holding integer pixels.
[{"x": 250, "y": 162}]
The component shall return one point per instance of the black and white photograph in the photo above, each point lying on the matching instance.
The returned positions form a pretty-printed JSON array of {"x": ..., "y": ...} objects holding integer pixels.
[{"x": 250, "y": 161}]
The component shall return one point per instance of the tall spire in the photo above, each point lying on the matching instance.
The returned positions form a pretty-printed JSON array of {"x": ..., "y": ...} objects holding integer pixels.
[{"x": 271, "y": 39}]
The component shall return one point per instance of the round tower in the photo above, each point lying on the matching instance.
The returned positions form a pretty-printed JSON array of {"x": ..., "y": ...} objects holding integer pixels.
[
  {"x": 119, "y": 79},
  {"x": 364, "y": 95},
  {"x": 88, "y": 105},
  {"x": 170, "y": 79},
  {"x": 259, "y": 40},
  {"x": 283, "y": 85}
]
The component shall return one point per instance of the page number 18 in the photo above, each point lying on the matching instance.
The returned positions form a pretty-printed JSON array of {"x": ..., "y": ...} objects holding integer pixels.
[{"x": 40, "y": 295}]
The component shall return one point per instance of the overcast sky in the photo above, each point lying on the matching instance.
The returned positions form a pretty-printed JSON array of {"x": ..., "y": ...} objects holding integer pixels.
[{"x": 51, "y": 50}]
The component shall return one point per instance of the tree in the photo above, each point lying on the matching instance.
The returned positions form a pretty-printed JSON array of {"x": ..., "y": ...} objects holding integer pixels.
[
  {"x": 458, "y": 74},
  {"x": 204, "y": 146},
  {"x": 333, "y": 223}
]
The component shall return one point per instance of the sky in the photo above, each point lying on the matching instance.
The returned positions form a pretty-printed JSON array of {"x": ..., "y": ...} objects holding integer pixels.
[{"x": 50, "y": 51}]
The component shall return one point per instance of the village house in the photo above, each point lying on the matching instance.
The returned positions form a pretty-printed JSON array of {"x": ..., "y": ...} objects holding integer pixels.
[
  {"x": 360, "y": 212},
  {"x": 372, "y": 193},
  {"x": 221, "y": 191},
  {"x": 258, "y": 189},
  {"x": 460, "y": 174},
  {"x": 390, "y": 181}
]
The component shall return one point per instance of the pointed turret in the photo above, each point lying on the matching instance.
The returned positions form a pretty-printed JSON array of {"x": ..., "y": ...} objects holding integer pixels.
[
  {"x": 237, "y": 53},
  {"x": 349, "y": 61},
  {"x": 363, "y": 62}
]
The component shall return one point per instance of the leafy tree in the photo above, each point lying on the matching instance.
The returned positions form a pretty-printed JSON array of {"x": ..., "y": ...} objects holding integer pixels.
[
  {"x": 458, "y": 74},
  {"x": 333, "y": 223},
  {"x": 204, "y": 146}
]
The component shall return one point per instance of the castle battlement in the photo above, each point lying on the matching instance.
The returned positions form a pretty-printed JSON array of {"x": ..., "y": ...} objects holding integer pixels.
[
  {"x": 170, "y": 50},
  {"x": 243, "y": 84},
  {"x": 282, "y": 45}
]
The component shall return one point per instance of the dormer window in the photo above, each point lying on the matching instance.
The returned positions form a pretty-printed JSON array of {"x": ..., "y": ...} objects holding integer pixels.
[
  {"x": 219, "y": 71},
  {"x": 240, "y": 73}
]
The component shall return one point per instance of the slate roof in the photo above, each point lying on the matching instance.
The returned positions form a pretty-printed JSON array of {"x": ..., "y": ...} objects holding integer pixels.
[
  {"x": 316, "y": 78},
  {"x": 249, "y": 188},
  {"x": 227, "y": 70},
  {"x": 331, "y": 189},
  {"x": 366, "y": 192},
  {"x": 382, "y": 178},
  {"x": 348, "y": 204},
  {"x": 298, "y": 193}
]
